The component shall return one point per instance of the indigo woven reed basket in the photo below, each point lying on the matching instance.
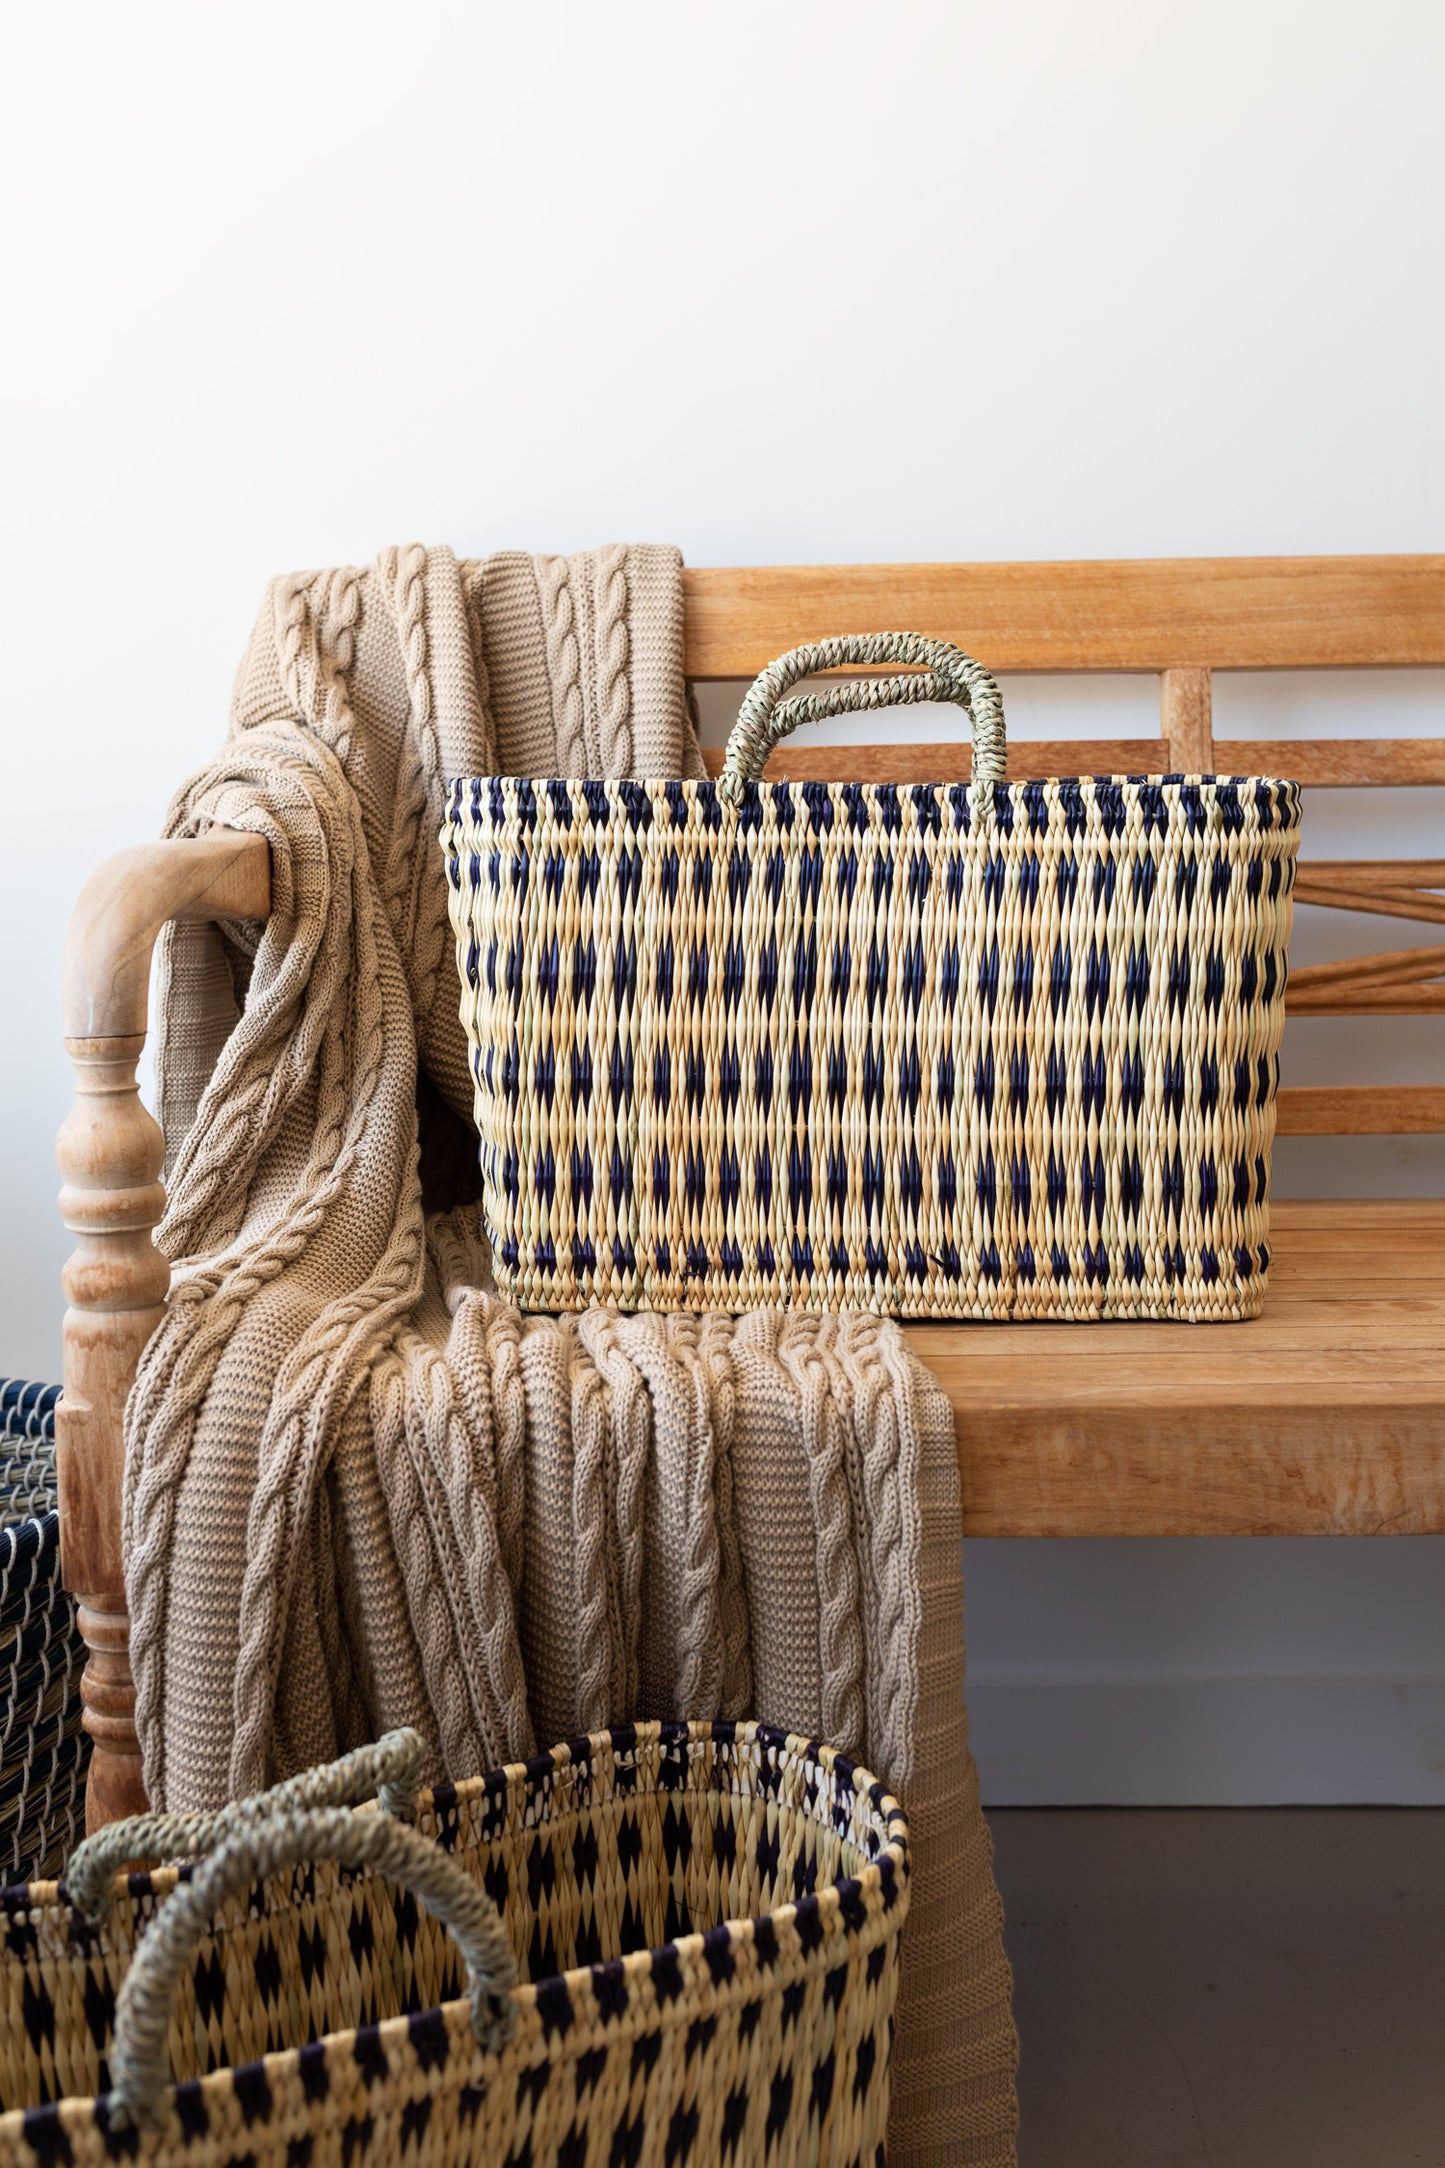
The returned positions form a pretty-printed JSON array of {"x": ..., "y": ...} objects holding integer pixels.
[
  {"x": 44, "y": 1754},
  {"x": 666, "y": 1942},
  {"x": 990, "y": 1050}
]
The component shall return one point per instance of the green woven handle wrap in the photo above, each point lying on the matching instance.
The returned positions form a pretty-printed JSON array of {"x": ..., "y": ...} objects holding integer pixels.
[
  {"x": 391, "y": 1768},
  {"x": 260, "y": 1846},
  {"x": 941, "y": 672}
]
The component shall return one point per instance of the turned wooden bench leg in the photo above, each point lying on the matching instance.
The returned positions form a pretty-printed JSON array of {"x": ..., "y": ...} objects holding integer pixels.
[{"x": 110, "y": 1155}]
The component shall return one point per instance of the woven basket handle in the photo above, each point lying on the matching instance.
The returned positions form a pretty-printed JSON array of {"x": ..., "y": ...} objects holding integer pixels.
[
  {"x": 259, "y": 1846},
  {"x": 389, "y": 1769},
  {"x": 944, "y": 673}
]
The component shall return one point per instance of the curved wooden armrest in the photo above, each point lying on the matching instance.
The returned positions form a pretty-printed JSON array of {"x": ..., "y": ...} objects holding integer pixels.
[
  {"x": 126, "y": 902},
  {"x": 111, "y": 1152}
]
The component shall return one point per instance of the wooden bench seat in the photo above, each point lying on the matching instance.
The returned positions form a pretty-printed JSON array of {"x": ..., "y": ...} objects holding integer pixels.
[{"x": 1324, "y": 1416}]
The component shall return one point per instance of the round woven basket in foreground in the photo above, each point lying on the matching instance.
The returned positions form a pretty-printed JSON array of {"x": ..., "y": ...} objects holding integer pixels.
[{"x": 705, "y": 1920}]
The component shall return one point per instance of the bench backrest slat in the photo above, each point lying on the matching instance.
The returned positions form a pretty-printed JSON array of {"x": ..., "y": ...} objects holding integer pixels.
[{"x": 1211, "y": 613}]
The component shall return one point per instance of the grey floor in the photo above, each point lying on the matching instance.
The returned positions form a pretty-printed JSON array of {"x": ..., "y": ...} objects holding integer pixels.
[{"x": 1234, "y": 1988}]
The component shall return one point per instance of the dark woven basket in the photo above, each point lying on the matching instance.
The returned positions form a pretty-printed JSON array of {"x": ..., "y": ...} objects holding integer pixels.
[{"x": 43, "y": 1751}]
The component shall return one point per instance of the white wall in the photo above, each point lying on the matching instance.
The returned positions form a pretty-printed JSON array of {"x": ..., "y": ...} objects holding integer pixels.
[{"x": 780, "y": 282}]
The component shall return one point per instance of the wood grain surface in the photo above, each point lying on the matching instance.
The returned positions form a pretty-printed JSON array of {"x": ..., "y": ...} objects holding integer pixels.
[
  {"x": 1318, "y": 763},
  {"x": 1325, "y": 1416},
  {"x": 1221, "y": 613}
]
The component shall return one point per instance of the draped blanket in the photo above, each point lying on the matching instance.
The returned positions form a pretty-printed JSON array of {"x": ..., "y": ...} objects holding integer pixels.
[{"x": 361, "y": 1489}]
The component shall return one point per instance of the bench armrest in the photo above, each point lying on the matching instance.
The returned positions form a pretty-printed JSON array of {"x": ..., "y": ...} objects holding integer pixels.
[
  {"x": 126, "y": 902},
  {"x": 110, "y": 1153}
]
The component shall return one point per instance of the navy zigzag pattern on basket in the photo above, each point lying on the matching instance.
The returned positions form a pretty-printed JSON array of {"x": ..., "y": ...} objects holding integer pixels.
[{"x": 43, "y": 1751}]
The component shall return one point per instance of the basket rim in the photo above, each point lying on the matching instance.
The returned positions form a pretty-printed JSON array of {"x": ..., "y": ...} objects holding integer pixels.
[
  {"x": 709, "y": 783},
  {"x": 888, "y": 1872}
]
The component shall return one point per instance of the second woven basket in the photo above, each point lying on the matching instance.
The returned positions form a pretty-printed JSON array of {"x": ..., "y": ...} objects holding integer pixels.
[{"x": 668, "y": 1942}]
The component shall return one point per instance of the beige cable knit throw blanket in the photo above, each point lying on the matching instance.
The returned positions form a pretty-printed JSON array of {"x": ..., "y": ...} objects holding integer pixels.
[{"x": 361, "y": 1490}]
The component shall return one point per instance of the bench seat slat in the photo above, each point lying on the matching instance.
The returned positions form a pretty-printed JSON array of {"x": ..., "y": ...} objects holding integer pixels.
[{"x": 1325, "y": 1416}]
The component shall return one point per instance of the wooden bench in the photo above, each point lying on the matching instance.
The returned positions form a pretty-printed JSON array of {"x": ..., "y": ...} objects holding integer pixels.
[{"x": 1324, "y": 1416}]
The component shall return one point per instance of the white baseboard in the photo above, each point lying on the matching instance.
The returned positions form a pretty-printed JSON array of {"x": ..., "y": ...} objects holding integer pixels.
[{"x": 1208, "y": 1739}]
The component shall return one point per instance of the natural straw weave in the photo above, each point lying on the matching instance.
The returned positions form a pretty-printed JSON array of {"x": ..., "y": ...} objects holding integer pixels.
[
  {"x": 705, "y": 1920},
  {"x": 988, "y": 1050}
]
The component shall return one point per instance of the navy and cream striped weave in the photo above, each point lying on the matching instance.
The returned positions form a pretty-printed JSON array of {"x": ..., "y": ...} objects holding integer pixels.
[
  {"x": 44, "y": 1754},
  {"x": 987, "y": 1050}
]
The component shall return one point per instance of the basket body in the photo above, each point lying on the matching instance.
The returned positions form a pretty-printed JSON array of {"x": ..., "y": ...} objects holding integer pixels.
[
  {"x": 707, "y": 1918},
  {"x": 44, "y": 1754},
  {"x": 1003, "y": 1051}
]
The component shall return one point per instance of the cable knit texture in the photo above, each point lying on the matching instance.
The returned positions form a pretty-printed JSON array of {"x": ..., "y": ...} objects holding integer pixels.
[{"x": 361, "y": 1490}]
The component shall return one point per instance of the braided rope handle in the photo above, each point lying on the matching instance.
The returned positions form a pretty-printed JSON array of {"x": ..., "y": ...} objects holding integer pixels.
[
  {"x": 260, "y": 1846},
  {"x": 943, "y": 672},
  {"x": 389, "y": 1769}
]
